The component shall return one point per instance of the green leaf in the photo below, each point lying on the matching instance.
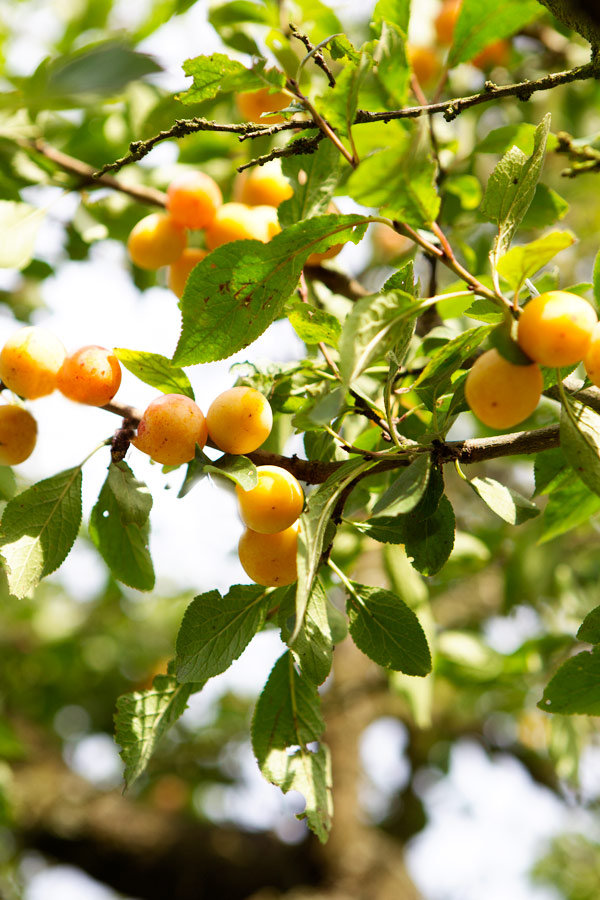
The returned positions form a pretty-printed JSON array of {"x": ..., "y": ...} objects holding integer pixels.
[
  {"x": 19, "y": 226},
  {"x": 338, "y": 105},
  {"x": 313, "y": 647},
  {"x": 401, "y": 182},
  {"x": 396, "y": 11},
  {"x": 402, "y": 280},
  {"x": 506, "y": 503},
  {"x": 155, "y": 370},
  {"x": 38, "y": 529},
  {"x": 569, "y": 506},
  {"x": 524, "y": 261},
  {"x": 478, "y": 26},
  {"x": 219, "y": 73},
  {"x": 314, "y": 179},
  {"x": 234, "y": 294},
  {"x": 228, "y": 14},
  {"x": 376, "y": 324},
  {"x": 467, "y": 188},
  {"x": 99, "y": 70},
  {"x": 387, "y": 630},
  {"x": 286, "y": 720},
  {"x": 511, "y": 187},
  {"x": 407, "y": 490},
  {"x": 313, "y": 525},
  {"x": 547, "y": 207},
  {"x": 580, "y": 442},
  {"x": 452, "y": 355},
  {"x": 521, "y": 135},
  {"x": 216, "y": 630},
  {"x": 575, "y": 688},
  {"x": 120, "y": 528},
  {"x": 392, "y": 65},
  {"x": 314, "y": 325},
  {"x": 8, "y": 483},
  {"x": 238, "y": 469},
  {"x": 142, "y": 717},
  {"x": 589, "y": 629},
  {"x": 550, "y": 468},
  {"x": 430, "y": 541}
]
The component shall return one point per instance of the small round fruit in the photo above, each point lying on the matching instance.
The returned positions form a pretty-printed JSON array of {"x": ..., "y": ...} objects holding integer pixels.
[
  {"x": 500, "y": 393},
  {"x": 270, "y": 559},
  {"x": 388, "y": 245},
  {"x": 315, "y": 259},
  {"x": 232, "y": 222},
  {"x": 266, "y": 222},
  {"x": 90, "y": 375},
  {"x": 179, "y": 271},
  {"x": 555, "y": 328},
  {"x": 495, "y": 54},
  {"x": 266, "y": 186},
  {"x": 274, "y": 504},
  {"x": 425, "y": 63},
  {"x": 29, "y": 362},
  {"x": 591, "y": 360},
  {"x": 253, "y": 104},
  {"x": 193, "y": 199},
  {"x": 239, "y": 420},
  {"x": 156, "y": 241},
  {"x": 446, "y": 20},
  {"x": 18, "y": 434},
  {"x": 170, "y": 428}
]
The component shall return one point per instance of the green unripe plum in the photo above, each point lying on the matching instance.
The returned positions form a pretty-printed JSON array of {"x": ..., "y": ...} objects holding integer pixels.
[
  {"x": 170, "y": 428},
  {"x": 274, "y": 504}
]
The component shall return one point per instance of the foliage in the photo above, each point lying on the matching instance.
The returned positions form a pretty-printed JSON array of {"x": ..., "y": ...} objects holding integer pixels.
[{"x": 379, "y": 395}]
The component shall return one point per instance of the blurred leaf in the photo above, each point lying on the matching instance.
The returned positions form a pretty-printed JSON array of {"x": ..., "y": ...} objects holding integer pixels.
[
  {"x": 524, "y": 261},
  {"x": 227, "y": 14},
  {"x": 8, "y": 483},
  {"x": 467, "y": 188},
  {"x": 547, "y": 207},
  {"x": 143, "y": 717},
  {"x": 120, "y": 528},
  {"x": 19, "y": 226},
  {"x": 478, "y": 26},
  {"x": 219, "y": 73},
  {"x": 287, "y": 719},
  {"x": 569, "y": 506},
  {"x": 392, "y": 65},
  {"x": 234, "y": 294},
  {"x": 396, "y": 11},
  {"x": 155, "y": 370},
  {"x": 575, "y": 688},
  {"x": 387, "y": 630},
  {"x": 506, "y": 503},
  {"x": 39, "y": 527},
  {"x": 216, "y": 630},
  {"x": 314, "y": 179},
  {"x": 596, "y": 279}
]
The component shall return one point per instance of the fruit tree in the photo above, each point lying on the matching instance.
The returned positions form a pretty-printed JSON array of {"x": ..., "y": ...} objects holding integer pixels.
[{"x": 408, "y": 202}]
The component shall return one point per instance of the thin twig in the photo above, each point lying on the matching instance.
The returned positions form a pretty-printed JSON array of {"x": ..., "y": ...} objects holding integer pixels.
[{"x": 314, "y": 52}]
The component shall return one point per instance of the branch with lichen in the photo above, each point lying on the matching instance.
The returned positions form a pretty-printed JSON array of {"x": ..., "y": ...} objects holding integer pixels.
[{"x": 586, "y": 158}]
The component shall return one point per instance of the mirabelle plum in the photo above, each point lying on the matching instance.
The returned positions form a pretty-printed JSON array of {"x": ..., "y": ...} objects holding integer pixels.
[
  {"x": 179, "y": 271},
  {"x": 388, "y": 244},
  {"x": 495, "y": 54},
  {"x": 193, "y": 199},
  {"x": 232, "y": 222},
  {"x": 170, "y": 428},
  {"x": 156, "y": 241},
  {"x": 315, "y": 259},
  {"x": 274, "y": 504},
  {"x": 253, "y": 104},
  {"x": 591, "y": 360},
  {"x": 446, "y": 20},
  {"x": 425, "y": 63},
  {"x": 555, "y": 328},
  {"x": 18, "y": 434},
  {"x": 265, "y": 186},
  {"x": 502, "y": 394},
  {"x": 239, "y": 420},
  {"x": 90, "y": 375},
  {"x": 29, "y": 362},
  {"x": 266, "y": 222},
  {"x": 270, "y": 559}
]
